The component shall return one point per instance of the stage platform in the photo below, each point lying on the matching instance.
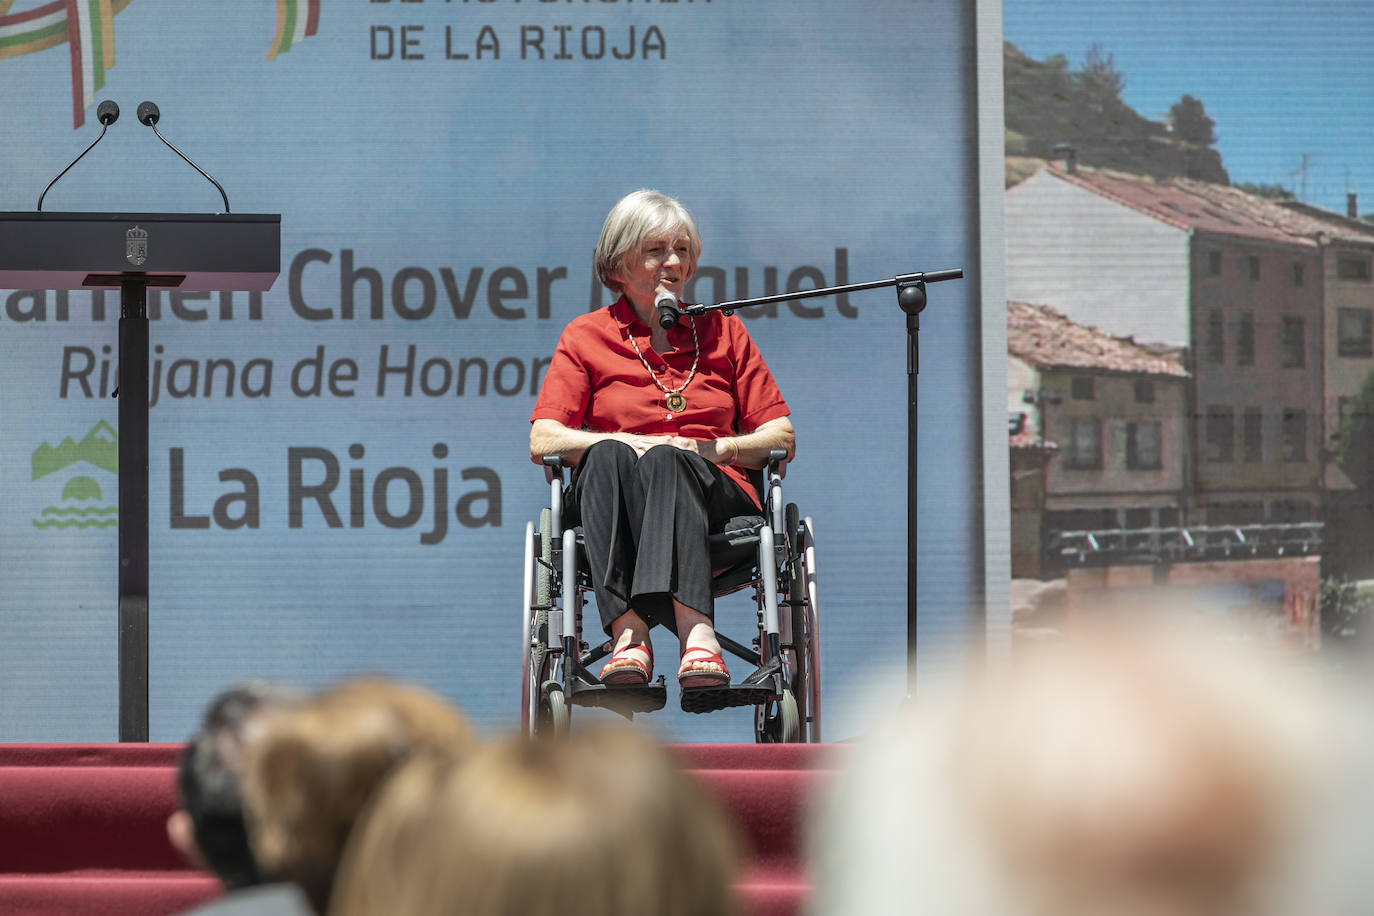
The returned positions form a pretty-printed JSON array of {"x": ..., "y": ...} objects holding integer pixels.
[{"x": 82, "y": 826}]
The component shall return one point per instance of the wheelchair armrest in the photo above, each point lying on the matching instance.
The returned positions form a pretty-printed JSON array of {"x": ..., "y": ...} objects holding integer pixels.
[
  {"x": 553, "y": 468},
  {"x": 777, "y": 460}
]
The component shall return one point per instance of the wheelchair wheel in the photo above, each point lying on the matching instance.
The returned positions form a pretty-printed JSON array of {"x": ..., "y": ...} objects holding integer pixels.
[
  {"x": 555, "y": 716},
  {"x": 812, "y": 646},
  {"x": 538, "y": 600},
  {"x": 527, "y": 654},
  {"x": 777, "y": 721},
  {"x": 799, "y": 636}
]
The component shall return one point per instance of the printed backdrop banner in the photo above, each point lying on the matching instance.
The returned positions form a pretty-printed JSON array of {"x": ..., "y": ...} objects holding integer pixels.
[{"x": 339, "y": 474}]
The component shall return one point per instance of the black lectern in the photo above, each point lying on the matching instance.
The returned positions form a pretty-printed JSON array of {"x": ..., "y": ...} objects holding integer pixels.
[{"x": 133, "y": 251}]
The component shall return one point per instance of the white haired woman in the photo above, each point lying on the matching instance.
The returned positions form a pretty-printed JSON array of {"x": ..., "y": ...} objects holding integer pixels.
[{"x": 661, "y": 425}]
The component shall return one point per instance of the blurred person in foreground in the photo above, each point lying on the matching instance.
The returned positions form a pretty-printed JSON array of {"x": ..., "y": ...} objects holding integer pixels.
[
  {"x": 1128, "y": 771},
  {"x": 316, "y": 767},
  {"x": 208, "y": 826},
  {"x": 600, "y": 823}
]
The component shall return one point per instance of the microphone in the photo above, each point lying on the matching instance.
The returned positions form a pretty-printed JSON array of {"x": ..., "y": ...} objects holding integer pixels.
[
  {"x": 106, "y": 113},
  {"x": 149, "y": 115},
  {"x": 668, "y": 314}
]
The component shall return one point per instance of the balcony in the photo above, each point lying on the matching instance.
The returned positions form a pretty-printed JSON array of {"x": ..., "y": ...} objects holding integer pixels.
[{"x": 1136, "y": 546}]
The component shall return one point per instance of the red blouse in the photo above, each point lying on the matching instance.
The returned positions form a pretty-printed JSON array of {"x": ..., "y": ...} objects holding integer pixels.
[{"x": 596, "y": 381}]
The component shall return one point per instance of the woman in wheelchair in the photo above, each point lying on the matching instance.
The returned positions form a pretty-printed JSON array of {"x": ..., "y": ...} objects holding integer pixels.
[{"x": 660, "y": 425}]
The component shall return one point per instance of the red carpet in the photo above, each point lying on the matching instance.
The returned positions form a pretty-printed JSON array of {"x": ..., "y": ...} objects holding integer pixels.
[{"x": 82, "y": 825}]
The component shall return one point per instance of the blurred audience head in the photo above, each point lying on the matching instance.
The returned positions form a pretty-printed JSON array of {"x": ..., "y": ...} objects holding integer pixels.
[
  {"x": 1123, "y": 771},
  {"x": 316, "y": 766},
  {"x": 599, "y": 823},
  {"x": 208, "y": 827}
]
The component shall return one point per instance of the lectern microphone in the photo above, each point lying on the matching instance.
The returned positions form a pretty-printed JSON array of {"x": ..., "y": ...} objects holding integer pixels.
[
  {"x": 107, "y": 113},
  {"x": 149, "y": 115}
]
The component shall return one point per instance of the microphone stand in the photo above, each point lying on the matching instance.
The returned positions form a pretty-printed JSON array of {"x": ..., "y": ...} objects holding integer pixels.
[{"x": 911, "y": 299}]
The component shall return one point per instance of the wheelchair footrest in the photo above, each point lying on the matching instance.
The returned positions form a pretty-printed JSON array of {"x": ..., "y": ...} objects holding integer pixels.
[
  {"x": 619, "y": 698},
  {"x": 709, "y": 699}
]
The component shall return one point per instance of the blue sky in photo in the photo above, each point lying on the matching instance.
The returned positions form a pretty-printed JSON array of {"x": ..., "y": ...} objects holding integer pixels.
[{"x": 1288, "y": 84}]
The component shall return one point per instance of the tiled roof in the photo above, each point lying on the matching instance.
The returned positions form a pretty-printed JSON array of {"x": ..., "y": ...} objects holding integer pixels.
[
  {"x": 1346, "y": 228},
  {"x": 1047, "y": 340},
  {"x": 1298, "y": 219},
  {"x": 1179, "y": 203}
]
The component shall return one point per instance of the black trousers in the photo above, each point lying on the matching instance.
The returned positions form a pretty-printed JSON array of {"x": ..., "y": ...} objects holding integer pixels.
[{"x": 646, "y": 523}]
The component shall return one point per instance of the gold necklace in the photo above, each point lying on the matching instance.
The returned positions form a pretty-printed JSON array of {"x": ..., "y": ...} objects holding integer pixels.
[{"x": 672, "y": 397}]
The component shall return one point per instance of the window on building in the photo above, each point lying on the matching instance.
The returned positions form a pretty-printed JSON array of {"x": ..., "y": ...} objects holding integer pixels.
[
  {"x": 1293, "y": 343},
  {"x": 1252, "y": 266},
  {"x": 1085, "y": 443},
  {"x": 1245, "y": 339},
  {"x": 1353, "y": 267},
  {"x": 1216, "y": 338},
  {"x": 1214, "y": 263},
  {"x": 1297, "y": 273},
  {"x": 1221, "y": 435},
  {"x": 1294, "y": 435},
  {"x": 1237, "y": 513},
  {"x": 1144, "y": 392},
  {"x": 1135, "y": 519},
  {"x": 1291, "y": 511},
  {"x": 1353, "y": 330},
  {"x": 1252, "y": 435},
  {"x": 1348, "y": 411},
  {"x": 1081, "y": 388},
  {"x": 1144, "y": 446}
]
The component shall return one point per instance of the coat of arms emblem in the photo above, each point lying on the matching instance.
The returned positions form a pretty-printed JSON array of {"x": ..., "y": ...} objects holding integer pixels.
[{"x": 136, "y": 246}]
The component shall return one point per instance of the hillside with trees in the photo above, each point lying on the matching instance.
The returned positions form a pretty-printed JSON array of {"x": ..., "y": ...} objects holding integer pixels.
[{"x": 1050, "y": 106}]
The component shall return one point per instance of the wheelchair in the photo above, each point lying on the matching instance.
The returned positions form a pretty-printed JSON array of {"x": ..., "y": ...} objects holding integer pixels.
[{"x": 773, "y": 554}]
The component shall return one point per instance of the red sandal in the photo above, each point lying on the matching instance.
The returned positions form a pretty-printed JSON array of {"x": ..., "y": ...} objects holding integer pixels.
[
  {"x": 624, "y": 670},
  {"x": 702, "y": 668}
]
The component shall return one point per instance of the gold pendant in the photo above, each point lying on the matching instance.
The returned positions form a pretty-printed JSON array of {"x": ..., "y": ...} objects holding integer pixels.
[{"x": 676, "y": 402}]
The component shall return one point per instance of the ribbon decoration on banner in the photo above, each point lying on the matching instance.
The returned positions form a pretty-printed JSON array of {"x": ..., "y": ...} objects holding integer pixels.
[
  {"x": 87, "y": 26},
  {"x": 294, "y": 24}
]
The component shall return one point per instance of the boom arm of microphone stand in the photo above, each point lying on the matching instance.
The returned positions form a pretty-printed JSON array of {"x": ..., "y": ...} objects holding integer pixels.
[
  {"x": 903, "y": 283},
  {"x": 911, "y": 299}
]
